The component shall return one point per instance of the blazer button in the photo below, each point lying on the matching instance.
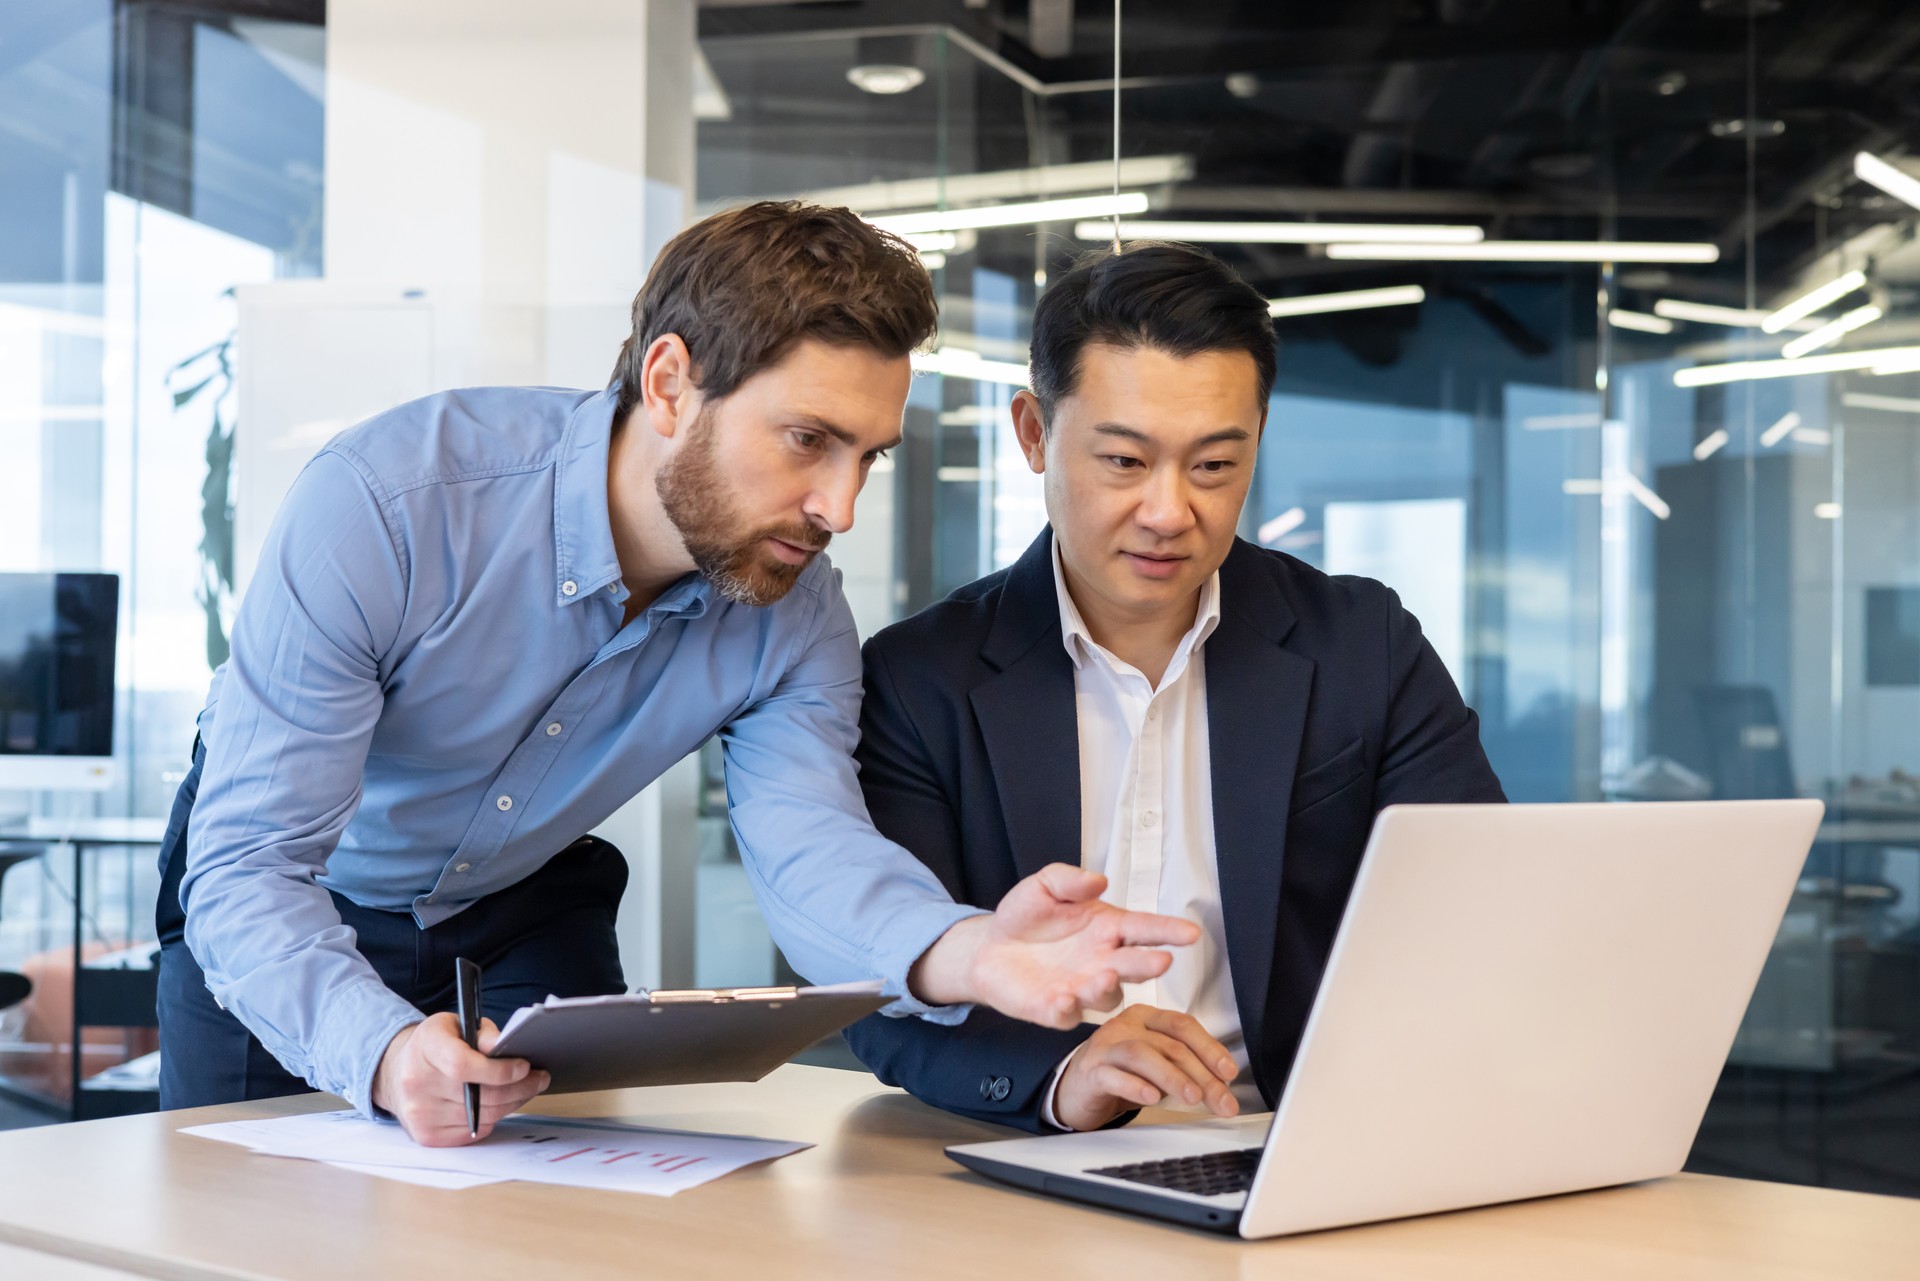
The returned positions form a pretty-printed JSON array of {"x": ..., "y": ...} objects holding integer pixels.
[{"x": 1000, "y": 1089}]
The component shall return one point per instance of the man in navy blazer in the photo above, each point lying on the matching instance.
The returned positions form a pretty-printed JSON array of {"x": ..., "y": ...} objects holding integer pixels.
[{"x": 1211, "y": 725}]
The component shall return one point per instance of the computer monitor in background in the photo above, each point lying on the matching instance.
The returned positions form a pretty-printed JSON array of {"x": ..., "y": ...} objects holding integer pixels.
[{"x": 57, "y": 642}]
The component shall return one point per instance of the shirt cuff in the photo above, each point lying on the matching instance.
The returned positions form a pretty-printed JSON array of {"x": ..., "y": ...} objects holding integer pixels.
[
  {"x": 1053, "y": 1087},
  {"x": 367, "y": 1017},
  {"x": 917, "y": 932}
]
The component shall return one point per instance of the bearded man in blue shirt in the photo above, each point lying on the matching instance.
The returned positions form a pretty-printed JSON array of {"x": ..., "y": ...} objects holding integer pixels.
[{"x": 486, "y": 619}]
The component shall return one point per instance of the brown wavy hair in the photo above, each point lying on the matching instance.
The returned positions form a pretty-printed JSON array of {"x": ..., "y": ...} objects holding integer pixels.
[{"x": 742, "y": 287}]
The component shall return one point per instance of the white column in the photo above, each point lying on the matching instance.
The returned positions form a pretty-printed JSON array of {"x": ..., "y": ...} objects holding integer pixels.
[{"x": 499, "y": 175}]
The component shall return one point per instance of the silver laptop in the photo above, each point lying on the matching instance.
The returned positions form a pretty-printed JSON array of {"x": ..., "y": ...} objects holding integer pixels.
[{"x": 1522, "y": 1000}]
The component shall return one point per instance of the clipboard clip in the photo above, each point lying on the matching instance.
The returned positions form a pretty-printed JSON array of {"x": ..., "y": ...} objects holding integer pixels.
[{"x": 722, "y": 995}]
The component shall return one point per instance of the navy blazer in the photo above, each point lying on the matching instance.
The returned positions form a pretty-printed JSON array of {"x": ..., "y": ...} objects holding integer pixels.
[{"x": 1324, "y": 705}]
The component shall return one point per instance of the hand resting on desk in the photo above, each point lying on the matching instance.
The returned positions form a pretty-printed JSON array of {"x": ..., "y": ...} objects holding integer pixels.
[{"x": 425, "y": 1069}]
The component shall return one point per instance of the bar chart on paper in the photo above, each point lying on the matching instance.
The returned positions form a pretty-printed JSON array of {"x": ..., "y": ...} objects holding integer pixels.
[{"x": 532, "y": 1149}]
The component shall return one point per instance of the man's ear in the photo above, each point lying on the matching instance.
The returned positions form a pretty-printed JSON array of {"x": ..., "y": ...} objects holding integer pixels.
[
  {"x": 1030, "y": 427},
  {"x": 668, "y": 391}
]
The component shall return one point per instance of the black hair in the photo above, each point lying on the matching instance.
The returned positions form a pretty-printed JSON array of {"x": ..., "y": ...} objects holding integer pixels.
[{"x": 1170, "y": 297}]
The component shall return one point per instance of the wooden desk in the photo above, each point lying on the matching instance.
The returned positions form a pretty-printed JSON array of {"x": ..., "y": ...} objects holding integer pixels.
[{"x": 876, "y": 1199}]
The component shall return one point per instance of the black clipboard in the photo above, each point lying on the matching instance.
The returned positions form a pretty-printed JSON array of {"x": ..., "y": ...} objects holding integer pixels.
[{"x": 679, "y": 1037}]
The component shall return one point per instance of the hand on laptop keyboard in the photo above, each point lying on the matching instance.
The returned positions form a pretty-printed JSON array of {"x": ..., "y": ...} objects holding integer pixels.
[{"x": 1140, "y": 1057}]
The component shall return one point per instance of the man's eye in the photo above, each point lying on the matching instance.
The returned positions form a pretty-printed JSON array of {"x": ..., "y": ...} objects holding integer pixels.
[
  {"x": 1215, "y": 466},
  {"x": 874, "y": 456},
  {"x": 807, "y": 439},
  {"x": 1122, "y": 461}
]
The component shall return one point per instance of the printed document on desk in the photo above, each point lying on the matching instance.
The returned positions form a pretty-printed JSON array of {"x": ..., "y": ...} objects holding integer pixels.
[
  {"x": 532, "y": 1149},
  {"x": 679, "y": 1037}
]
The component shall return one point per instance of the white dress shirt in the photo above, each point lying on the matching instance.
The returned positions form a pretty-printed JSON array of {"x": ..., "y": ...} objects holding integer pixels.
[{"x": 1146, "y": 816}]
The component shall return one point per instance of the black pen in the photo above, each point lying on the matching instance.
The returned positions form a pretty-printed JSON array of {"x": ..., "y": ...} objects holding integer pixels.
[{"x": 466, "y": 996}]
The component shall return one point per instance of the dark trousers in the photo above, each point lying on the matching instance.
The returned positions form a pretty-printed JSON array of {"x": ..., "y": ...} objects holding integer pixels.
[{"x": 552, "y": 934}]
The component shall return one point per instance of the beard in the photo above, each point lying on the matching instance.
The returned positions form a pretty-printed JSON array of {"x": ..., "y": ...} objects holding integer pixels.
[{"x": 725, "y": 547}]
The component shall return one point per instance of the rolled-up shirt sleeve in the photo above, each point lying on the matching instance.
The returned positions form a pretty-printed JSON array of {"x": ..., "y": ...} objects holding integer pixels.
[
  {"x": 286, "y": 747},
  {"x": 842, "y": 901}
]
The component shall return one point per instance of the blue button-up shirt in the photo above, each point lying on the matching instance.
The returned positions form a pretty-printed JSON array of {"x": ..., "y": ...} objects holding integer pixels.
[{"x": 431, "y": 692}]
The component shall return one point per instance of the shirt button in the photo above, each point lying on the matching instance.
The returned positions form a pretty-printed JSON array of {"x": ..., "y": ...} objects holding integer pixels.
[
  {"x": 505, "y": 803},
  {"x": 461, "y": 867},
  {"x": 1146, "y": 820},
  {"x": 569, "y": 587},
  {"x": 1153, "y": 713},
  {"x": 553, "y": 729}
]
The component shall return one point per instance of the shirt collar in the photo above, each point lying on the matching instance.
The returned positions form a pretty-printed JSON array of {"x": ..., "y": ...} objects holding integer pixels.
[
  {"x": 583, "y": 553},
  {"x": 1081, "y": 646}
]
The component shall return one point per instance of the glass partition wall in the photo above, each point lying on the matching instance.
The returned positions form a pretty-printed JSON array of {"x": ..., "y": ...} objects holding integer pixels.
[{"x": 1660, "y": 563}]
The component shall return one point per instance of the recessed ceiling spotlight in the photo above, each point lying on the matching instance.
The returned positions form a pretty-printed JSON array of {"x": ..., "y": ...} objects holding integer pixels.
[
  {"x": 884, "y": 78},
  {"x": 1670, "y": 83},
  {"x": 1243, "y": 84},
  {"x": 1756, "y": 126},
  {"x": 1562, "y": 166}
]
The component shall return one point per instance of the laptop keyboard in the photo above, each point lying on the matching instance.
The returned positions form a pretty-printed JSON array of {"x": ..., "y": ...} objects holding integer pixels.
[{"x": 1213, "y": 1174}]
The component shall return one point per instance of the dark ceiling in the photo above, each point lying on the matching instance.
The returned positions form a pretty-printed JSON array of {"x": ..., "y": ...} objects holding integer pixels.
[{"x": 1650, "y": 120}]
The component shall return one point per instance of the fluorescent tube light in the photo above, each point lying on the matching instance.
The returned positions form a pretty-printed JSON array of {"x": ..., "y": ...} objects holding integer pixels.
[
  {"x": 1532, "y": 251},
  {"x": 1272, "y": 531},
  {"x": 1014, "y": 215},
  {"x": 1780, "y": 430},
  {"x": 1648, "y": 499},
  {"x": 1827, "y": 511},
  {"x": 933, "y": 261},
  {"x": 1352, "y": 300},
  {"x": 1897, "y": 183},
  {"x": 1832, "y": 332},
  {"x": 933, "y": 242},
  {"x": 1559, "y": 422},
  {"x": 961, "y": 475},
  {"x": 1641, "y": 321},
  {"x": 1892, "y": 404},
  {"x": 1581, "y": 485},
  {"x": 957, "y": 362},
  {"x": 1707, "y": 314},
  {"x": 1814, "y": 300},
  {"x": 1878, "y": 359},
  {"x": 1284, "y": 233},
  {"x": 1710, "y": 445},
  {"x": 1812, "y": 436}
]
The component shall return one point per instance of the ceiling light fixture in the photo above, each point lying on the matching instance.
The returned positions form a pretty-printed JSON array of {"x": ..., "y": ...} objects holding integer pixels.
[
  {"x": 1891, "y": 404},
  {"x": 1896, "y": 182},
  {"x": 1272, "y": 531},
  {"x": 1646, "y": 497},
  {"x": 1707, "y": 314},
  {"x": 1284, "y": 233},
  {"x": 1639, "y": 320},
  {"x": 958, "y": 362},
  {"x": 1353, "y": 300},
  {"x": 885, "y": 79},
  {"x": 1710, "y": 445},
  {"x": 1832, "y": 332},
  {"x": 1780, "y": 430},
  {"x": 1814, "y": 300},
  {"x": 1878, "y": 359},
  {"x": 1013, "y": 215},
  {"x": 1532, "y": 251}
]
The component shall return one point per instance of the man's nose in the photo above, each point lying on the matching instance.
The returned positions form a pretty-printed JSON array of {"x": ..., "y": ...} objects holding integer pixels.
[
  {"x": 1166, "y": 506},
  {"x": 831, "y": 504}
]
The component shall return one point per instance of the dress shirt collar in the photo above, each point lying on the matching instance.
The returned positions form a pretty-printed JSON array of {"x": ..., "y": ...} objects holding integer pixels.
[
  {"x": 583, "y": 552},
  {"x": 1079, "y": 641}
]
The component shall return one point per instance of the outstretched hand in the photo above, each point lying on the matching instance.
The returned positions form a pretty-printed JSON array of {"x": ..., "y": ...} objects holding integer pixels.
[{"x": 1050, "y": 950}]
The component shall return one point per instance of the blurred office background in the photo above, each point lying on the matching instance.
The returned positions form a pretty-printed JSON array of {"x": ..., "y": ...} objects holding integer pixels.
[{"x": 1660, "y": 563}]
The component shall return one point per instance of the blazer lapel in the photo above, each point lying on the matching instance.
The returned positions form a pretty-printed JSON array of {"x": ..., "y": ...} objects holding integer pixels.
[
  {"x": 1257, "y": 695},
  {"x": 1028, "y": 719}
]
